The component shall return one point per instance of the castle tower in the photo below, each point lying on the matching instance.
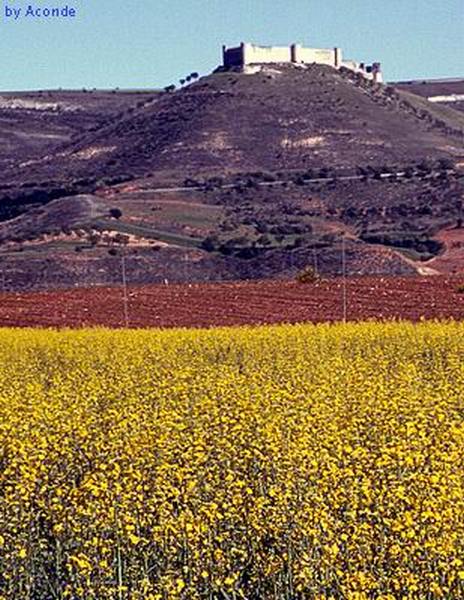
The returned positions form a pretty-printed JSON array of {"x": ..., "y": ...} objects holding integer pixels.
[
  {"x": 294, "y": 53},
  {"x": 377, "y": 72}
]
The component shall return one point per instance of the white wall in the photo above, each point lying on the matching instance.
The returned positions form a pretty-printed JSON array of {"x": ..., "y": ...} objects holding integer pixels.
[
  {"x": 350, "y": 64},
  {"x": 264, "y": 54},
  {"x": 283, "y": 54},
  {"x": 317, "y": 55}
]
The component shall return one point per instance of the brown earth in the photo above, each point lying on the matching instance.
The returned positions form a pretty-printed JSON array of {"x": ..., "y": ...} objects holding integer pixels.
[{"x": 244, "y": 303}]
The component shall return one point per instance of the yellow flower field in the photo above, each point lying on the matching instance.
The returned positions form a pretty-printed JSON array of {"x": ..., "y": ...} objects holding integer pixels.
[{"x": 285, "y": 462}]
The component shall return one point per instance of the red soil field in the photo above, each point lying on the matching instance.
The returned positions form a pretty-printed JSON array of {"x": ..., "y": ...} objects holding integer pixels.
[{"x": 238, "y": 303}]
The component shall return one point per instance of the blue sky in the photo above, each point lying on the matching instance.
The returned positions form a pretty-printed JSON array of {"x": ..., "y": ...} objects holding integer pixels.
[{"x": 152, "y": 43}]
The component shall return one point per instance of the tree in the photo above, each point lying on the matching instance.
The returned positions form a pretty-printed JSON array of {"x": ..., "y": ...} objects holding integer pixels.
[
  {"x": 445, "y": 164},
  {"x": 194, "y": 75},
  {"x": 264, "y": 240},
  {"x": 182, "y": 81},
  {"x": 409, "y": 172},
  {"x": 425, "y": 166},
  {"x": 122, "y": 239},
  {"x": 209, "y": 243},
  {"x": 94, "y": 238},
  {"x": 115, "y": 213}
]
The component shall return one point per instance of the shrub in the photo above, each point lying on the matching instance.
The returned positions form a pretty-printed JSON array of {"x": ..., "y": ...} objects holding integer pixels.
[
  {"x": 445, "y": 164},
  {"x": 115, "y": 213},
  {"x": 409, "y": 172},
  {"x": 94, "y": 239},
  {"x": 210, "y": 243},
  {"x": 122, "y": 238},
  {"x": 307, "y": 275}
]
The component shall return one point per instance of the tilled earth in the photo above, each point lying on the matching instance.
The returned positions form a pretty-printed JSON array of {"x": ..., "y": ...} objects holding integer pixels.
[{"x": 242, "y": 303}]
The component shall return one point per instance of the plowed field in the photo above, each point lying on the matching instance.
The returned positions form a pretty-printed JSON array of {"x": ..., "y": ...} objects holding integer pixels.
[{"x": 214, "y": 304}]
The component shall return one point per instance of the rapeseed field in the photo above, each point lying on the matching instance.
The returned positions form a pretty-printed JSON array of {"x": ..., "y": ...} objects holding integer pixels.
[{"x": 286, "y": 462}]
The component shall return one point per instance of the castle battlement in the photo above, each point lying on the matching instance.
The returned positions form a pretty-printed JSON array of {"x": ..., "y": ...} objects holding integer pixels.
[{"x": 250, "y": 54}]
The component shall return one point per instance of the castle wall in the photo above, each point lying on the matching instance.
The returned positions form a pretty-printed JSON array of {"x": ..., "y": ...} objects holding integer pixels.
[
  {"x": 266, "y": 54},
  {"x": 320, "y": 56},
  {"x": 285, "y": 54},
  {"x": 351, "y": 64}
]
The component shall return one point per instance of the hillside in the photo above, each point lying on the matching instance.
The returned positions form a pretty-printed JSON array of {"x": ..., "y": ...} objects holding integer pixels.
[
  {"x": 34, "y": 124},
  {"x": 289, "y": 117},
  {"x": 239, "y": 175}
]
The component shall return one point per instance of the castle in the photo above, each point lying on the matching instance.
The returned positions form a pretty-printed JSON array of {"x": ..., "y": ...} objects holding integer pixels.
[{"x": 249, "y": 54}]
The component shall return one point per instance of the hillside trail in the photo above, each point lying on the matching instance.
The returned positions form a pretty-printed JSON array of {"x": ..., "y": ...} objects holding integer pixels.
[
  {"x": 95, "y": 207},
  {"x": 420, "y": 267}
]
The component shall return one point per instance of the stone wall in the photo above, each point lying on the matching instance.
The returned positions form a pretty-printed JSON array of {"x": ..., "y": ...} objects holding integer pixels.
[
  {"x": 266, "y": 54},
  {"x": 320, "y": 56}
]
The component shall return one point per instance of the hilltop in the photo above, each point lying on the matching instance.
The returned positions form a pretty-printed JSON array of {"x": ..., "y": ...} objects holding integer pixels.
[{"x": 267, "y": 169}]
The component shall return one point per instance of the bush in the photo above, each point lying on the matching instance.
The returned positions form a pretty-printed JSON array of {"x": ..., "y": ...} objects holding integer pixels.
[
  {"x": 307, "y": 275},
  {"x": 445, "y": 164},
  {"x": 115, "y": 213},
  {"x": 210, "y": 243}
]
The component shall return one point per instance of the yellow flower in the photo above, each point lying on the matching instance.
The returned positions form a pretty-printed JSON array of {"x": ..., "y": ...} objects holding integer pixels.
[{"x": 168, "y": 464}]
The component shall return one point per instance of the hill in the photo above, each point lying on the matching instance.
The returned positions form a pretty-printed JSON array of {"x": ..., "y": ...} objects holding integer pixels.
[
  {"x": 276, "y": 118},
  {"x": 239, "y": 175}
]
